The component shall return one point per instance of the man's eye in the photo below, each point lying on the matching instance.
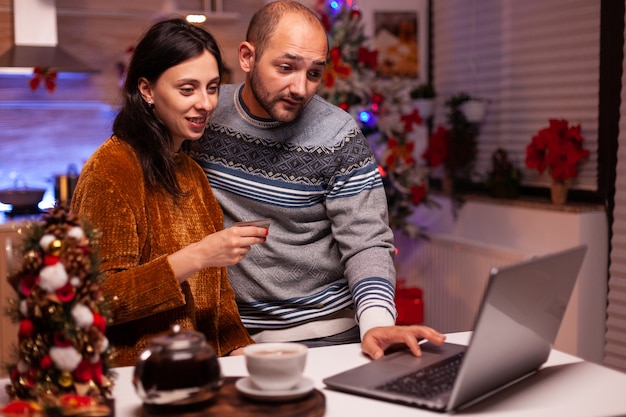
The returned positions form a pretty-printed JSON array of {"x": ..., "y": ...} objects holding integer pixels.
[
  {"x": 284, "y": 68},
  {"x": 315, "y": 75}
]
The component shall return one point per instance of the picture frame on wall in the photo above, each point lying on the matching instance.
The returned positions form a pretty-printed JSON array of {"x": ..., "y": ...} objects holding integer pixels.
[{"x": 398, "y": 30}]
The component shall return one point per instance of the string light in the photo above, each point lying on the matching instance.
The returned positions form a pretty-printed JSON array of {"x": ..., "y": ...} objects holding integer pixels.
[{"x": 365, "y": 116}]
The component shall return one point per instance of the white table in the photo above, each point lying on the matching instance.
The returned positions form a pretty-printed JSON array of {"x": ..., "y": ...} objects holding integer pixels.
[{"x": 567, "y": 386}]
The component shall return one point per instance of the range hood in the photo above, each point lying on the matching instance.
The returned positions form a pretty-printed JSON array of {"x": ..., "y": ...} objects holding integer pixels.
[{"x": 36, "y": 41}]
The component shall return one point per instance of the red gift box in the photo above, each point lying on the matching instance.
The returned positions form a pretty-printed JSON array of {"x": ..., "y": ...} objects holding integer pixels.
[{"x": 409, "y": 304}]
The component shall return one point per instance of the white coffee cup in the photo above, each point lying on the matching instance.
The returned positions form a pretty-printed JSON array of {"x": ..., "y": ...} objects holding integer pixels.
[{"x": 275, "y": 366}]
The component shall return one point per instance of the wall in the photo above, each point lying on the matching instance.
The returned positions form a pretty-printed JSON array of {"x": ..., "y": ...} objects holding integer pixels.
[
  {"x": 531, "y": 228},
  {"x": 42, "y": 132}
]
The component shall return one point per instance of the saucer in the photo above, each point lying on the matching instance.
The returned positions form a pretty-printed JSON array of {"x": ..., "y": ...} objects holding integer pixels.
[{"x": 246, "y": 387}]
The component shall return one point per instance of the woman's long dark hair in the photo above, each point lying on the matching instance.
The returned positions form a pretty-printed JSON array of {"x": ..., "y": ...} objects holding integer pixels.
[{"x": 164, "y": 45}]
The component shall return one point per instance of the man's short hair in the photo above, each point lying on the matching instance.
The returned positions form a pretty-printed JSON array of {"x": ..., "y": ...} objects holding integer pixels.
[{"x": 265, "y": 21}]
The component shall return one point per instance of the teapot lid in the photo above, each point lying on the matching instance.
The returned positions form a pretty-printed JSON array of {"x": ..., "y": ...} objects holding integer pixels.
[{"x": 178, "y": 340}]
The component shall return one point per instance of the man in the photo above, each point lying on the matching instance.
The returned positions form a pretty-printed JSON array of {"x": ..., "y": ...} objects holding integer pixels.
[{"x": 275, "y": 149}]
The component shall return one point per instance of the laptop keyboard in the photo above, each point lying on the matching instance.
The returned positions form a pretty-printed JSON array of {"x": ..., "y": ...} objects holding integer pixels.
[{"x": 427, "y": 382}]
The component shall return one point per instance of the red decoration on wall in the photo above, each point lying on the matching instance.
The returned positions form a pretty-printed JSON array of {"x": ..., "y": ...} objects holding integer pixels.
[
  {"x": 409, "y": 119},
  {"x": 368, "y": 57},
  {"x": 46, "y": 75}
]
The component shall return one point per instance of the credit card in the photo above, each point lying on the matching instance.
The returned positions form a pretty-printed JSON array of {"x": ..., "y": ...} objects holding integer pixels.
[{"x": 264, "y": 223}]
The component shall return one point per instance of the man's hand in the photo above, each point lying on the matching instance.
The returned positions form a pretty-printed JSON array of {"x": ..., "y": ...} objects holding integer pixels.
[{"x": 379, "y": 339}]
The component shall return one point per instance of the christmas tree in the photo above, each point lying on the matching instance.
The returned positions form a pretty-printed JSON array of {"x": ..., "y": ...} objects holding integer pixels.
[
  {"x": 382, "y": 108},
  {"x": 62, "y": 355}
]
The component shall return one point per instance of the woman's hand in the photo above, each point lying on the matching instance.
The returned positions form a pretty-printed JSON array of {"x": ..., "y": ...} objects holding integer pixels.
[
  {"x": 229, "y": 246},
  {"x": 223, "y": 248},
  {"x": 236, "y": 352}
]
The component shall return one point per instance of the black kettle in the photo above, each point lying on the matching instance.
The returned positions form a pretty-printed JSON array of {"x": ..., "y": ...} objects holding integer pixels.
[{"x": 177, "y": 369}]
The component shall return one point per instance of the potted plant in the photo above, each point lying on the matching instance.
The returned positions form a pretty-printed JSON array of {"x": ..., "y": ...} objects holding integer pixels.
[
  {"x": 461, "y": 141},
  {"x": 503, "y": 180},
  {"x": 557, "y": 149},
  {"x": 423, "y": 96},
  {"x": 474, "y": 110}
]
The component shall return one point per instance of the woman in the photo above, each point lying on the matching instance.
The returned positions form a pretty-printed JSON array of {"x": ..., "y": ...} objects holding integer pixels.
[{"x": 163, "y": 248}]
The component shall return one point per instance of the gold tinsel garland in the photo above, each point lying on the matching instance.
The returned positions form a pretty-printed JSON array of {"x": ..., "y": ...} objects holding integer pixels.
[{"x": 62, "y": 355}]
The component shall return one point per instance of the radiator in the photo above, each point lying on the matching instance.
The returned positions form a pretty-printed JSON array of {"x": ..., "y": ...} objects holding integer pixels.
[{"x": 452, "y": 273}]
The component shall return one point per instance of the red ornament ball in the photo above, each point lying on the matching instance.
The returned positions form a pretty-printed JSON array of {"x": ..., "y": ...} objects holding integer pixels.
[
  {"x": 46, "y": 362},
  {"x": 26, "y": 329}
]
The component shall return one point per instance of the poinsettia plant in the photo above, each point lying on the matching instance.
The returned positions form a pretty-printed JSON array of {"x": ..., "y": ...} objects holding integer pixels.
[
  {"x": 437, "y": 150},
  {"x": 557, "y": 149},
  {"x": 454, "y": 146}
]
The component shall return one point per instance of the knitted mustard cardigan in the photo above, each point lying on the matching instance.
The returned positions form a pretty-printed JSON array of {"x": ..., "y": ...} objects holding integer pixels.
[{"x": 139, "y": 229}]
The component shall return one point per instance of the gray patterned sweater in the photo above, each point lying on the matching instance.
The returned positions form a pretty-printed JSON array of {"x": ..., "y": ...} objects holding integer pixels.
[{"x": 328, "y": 259}]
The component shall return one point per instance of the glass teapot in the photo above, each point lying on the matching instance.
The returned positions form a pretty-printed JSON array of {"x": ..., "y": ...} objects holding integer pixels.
[{"x": 178, "y": 368}]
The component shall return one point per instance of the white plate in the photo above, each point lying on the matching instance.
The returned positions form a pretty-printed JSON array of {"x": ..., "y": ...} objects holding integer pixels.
[{"x": 246, "y": 387}]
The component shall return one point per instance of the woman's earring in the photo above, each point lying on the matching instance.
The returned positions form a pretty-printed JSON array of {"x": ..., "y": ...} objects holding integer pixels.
[{"x": 151, "y": 104}]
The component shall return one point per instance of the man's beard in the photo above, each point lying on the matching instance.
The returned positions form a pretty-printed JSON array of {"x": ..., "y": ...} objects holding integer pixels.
[{"x": 270, "y": 105}]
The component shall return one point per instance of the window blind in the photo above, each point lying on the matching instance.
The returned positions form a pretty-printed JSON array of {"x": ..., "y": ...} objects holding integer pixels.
[
  {"x": 615, "y": 349},
  {"x": 532, "y": 60}
]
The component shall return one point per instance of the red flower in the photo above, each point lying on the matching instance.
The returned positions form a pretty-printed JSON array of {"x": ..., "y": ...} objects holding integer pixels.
[
  {"x": 367, "y": 57},
  {"x": 409, "y": 119},
  {"x": 557, "y": 148},
  {"x": 399, "y": 152},
  {"x": 436, "y": 152},
  {"x": 418, "y": 194},
  {"x": 336, "y": 68}
]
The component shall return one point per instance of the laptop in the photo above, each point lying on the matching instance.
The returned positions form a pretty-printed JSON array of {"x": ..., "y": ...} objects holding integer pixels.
[{"x": 518, "y": 320}]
